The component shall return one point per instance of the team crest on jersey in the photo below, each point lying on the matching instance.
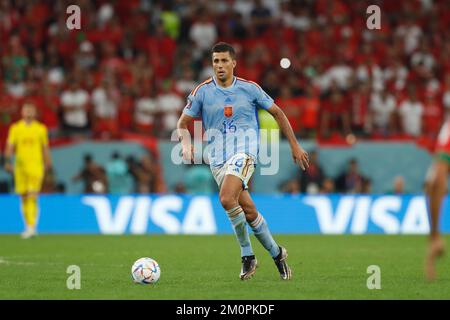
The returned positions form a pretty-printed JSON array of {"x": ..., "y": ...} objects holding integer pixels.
[{"x": 228, "y": 111}]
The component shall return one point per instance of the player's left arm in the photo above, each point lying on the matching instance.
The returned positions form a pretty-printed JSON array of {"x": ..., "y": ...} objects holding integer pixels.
[
  {"x": 46, "y": 149},
  {"x": 299, "y": 155},
  {"x": 47, "y": 157}
]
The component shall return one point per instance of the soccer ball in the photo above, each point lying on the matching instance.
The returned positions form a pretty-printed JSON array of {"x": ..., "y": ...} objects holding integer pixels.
[{"x": 145, "y": 271}]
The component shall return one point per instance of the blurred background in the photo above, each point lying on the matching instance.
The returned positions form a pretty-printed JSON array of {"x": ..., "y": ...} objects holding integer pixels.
[{"x": 368, "y": 104}]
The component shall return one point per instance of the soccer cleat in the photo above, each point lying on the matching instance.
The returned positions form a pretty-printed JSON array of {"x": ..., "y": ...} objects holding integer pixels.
[
  {"x": 28, "y": 233},
  {"x": 283, "y": 268},
  {"x": 248, "y": 269}
]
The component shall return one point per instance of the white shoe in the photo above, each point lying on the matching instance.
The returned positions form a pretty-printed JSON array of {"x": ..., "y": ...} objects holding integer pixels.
[{"x": 28, "y": 233}]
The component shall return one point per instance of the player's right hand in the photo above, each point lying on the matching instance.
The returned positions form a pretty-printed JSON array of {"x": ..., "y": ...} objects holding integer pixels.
[{"x": 188, "y": 153}]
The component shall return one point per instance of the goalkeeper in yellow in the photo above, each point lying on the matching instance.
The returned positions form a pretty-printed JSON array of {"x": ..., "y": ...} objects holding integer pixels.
[{"x": 28, "y": 142}]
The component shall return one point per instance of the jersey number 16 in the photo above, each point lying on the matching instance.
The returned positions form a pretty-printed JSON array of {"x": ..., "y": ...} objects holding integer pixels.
[{"x": 229, "y": 127}]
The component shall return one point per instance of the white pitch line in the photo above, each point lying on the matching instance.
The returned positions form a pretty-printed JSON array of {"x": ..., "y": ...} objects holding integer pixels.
[
  {"x": 23, "y": 263},
  {"x": 28, "y": 263}
]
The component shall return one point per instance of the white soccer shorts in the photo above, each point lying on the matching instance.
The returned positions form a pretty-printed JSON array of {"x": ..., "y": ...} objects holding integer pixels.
[{"x": 240, "y": 165}]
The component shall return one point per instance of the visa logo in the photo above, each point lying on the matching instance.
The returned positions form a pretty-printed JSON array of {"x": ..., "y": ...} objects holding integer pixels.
[
  {"x": 354, "y": 214},
  {"x": 136, "y": 212}
]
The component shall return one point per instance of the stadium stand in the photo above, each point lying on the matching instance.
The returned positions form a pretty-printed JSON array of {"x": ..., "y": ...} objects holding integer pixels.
[{"x": 126, "y": 73}]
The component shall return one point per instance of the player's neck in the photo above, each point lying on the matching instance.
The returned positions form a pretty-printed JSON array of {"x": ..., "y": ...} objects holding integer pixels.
[
  {"x": 226, "y": 83},
  {"x": 28, "y": 121}
]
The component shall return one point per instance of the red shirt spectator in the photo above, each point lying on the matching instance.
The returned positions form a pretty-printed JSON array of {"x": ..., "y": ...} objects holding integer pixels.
[
  {"x": 432, "y": 116},
  {"x": 126, "y": 109},
  {"x": 9, "y": 109},
  {"x": 291, "y": 107},
  {"x": 309, "y": 114},
  {"x": 47, "y": 105},
  {"x": 360, "y": 106},
  {"x": 250, "y": 68},
  {"x": 335, "y": 112}
]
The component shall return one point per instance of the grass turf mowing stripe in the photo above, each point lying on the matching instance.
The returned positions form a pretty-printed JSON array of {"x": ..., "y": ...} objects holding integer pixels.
[{"x": 207, "y": 267}]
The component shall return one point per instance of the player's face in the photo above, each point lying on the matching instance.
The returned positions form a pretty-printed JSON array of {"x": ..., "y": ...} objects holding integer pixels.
[
  {"x": 28, "y": 113},
  {"x": 223, "y": 65}
]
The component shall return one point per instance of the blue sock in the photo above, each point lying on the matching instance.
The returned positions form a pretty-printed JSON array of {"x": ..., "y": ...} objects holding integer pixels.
[
  {"x": 237, "y": 218},
  {"x": 262, "y": 233}
]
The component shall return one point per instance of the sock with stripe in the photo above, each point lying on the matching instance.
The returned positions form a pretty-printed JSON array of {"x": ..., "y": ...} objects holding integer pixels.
[
  {"x": 237, "y": 218},
  {"x": 262, "y": 233}
]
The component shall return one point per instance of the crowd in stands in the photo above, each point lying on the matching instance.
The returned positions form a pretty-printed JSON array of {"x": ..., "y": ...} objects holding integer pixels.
[
  {"x": 349, "y": 181},
  {"x": 133, "y": 62},
  {"x": 117, "y": 176}
]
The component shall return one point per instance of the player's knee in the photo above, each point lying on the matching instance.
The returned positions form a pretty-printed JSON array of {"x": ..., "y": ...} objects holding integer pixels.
[
  {"x": 228, "y": 201},
  {"x": 440, "y": 184},
  {"x": 427, "y": 187},
  {"x": 436, "y": 186},
  {"x": 436, "y": 179},
  {"x": 31, "y": 195}
]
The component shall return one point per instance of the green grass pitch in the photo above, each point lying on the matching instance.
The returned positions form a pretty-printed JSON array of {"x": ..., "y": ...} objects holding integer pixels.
[{"x": 207, "y": 267}]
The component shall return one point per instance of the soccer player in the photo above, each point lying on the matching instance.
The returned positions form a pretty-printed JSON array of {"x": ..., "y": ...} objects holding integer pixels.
[
  {"x": 228, "y": 108},
  {"x": 436, "y": 188},
  {"x": 28, "y": 141}
]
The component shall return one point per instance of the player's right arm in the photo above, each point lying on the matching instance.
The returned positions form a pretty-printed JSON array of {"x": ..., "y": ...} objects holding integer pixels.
[
  {"x": 191, "y": 111},
  {"x": 184, "y": 137},
  {"x": 9, "y": 150}
]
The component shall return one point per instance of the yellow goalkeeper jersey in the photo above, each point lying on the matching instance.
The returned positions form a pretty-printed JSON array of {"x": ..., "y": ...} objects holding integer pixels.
[{"x": 28, "y": 141}]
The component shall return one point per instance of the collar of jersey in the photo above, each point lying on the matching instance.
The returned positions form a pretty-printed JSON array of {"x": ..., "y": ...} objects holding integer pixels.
[
  {"x": 25, "y": 124},
  {"x": 227, "y": 88}
]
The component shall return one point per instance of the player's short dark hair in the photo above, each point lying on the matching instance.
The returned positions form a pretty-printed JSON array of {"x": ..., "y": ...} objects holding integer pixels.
[{"x": 224, "y": 47}]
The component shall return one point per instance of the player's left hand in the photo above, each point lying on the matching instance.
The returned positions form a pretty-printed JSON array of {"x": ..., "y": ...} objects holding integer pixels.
[{"x": 301, "y": 157}]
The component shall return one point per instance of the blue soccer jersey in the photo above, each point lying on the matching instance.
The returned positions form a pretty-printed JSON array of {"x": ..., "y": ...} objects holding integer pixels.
[{"x": 229, "y": 116}]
